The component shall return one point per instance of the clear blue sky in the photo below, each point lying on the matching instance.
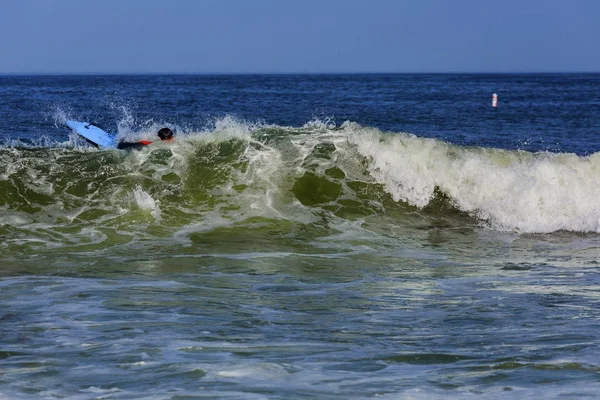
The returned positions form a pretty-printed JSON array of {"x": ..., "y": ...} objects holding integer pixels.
[{"x": 286, "y": 36}]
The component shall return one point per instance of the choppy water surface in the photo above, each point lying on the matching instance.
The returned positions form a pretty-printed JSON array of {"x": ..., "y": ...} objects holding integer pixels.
[{"x": 420, "y": 247}]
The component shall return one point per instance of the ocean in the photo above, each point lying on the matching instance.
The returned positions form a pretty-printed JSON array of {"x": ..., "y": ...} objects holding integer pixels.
[{"x": 304, "y": 236}]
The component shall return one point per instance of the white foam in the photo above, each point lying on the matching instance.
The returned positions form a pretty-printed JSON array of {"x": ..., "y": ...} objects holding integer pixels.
[
  {"x": 260, "y": 371},
  {"x": 143, "y": 199},
  {"x": 512, "y": 190},
  {"x": 146, "y": 202}
]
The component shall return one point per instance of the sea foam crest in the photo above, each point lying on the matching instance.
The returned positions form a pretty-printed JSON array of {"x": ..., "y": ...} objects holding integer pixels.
[
  {"x": 512, "y": 190},
  {"x": 146, "y": 202}
]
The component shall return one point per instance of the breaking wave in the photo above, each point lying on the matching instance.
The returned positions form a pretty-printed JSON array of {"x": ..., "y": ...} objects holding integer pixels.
[{"x": 238, "y": 172}]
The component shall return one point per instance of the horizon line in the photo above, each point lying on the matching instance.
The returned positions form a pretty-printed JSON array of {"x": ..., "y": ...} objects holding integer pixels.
[{"x": 97, "y": 73}]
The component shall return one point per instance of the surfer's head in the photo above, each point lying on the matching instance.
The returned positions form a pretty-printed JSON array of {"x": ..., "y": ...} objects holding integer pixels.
[{"x": 165, "y": 134}]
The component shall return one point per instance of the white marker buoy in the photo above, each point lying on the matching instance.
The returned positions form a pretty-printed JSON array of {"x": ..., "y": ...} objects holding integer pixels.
[{"x": 494, "y": 100}]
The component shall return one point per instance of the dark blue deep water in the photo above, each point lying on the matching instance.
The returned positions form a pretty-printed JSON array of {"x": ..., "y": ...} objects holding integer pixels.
[
  {"x": 305, "y": 236},
  {"x": 536, "y": 112}
]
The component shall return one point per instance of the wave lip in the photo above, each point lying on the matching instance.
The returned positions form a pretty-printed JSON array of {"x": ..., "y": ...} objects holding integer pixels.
[{"x": 511, "y": 190}]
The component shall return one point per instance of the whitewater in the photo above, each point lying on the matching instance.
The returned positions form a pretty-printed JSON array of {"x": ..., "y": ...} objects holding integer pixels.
[{"x": 507, "y": 190}]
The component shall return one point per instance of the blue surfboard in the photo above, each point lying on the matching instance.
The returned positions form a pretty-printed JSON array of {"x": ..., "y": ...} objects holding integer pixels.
[{"x": 92, "y": 134}]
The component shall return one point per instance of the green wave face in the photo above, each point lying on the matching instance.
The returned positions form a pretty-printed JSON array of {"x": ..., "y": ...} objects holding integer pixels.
[
  {"x": 277, "y": 188},
  {"x": 213, "y": 185}
]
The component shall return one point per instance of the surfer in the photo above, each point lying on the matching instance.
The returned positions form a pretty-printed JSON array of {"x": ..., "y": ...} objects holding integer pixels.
[{"x": 165, "y": 135}]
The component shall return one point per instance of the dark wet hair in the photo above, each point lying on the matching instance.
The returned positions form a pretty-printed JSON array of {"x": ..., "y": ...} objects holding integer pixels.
[{"x": 165, "y": 134}]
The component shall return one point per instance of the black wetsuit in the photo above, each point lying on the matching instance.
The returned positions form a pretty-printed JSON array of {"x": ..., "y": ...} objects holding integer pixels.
[{"x": 132, "y": 146}]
